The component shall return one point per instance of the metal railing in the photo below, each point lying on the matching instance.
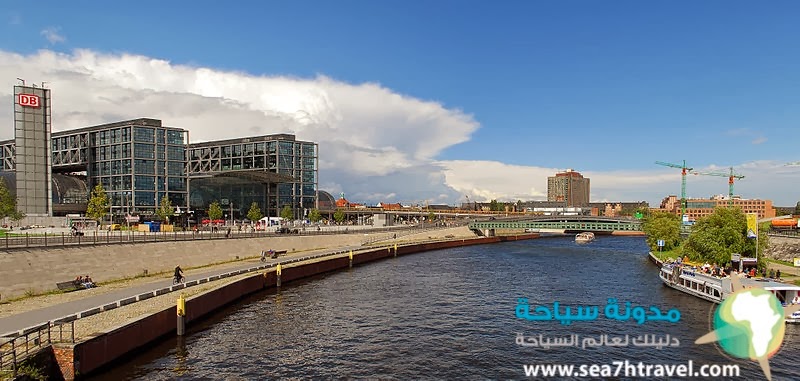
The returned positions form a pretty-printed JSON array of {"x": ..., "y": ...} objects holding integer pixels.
[
  {"x": 17, "y": 349},
  {"x": 100, "y": 237}
]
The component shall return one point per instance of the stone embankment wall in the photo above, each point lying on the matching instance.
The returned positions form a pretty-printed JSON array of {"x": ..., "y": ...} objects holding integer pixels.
[
  {"x": 39, "y": 269},
  {"x": 783, "y": 248}
]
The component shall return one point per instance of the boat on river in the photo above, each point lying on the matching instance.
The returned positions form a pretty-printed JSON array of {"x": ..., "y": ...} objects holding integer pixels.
[
  {"x": 693, "y": 281},
  {"x": 584, "y": 237}
]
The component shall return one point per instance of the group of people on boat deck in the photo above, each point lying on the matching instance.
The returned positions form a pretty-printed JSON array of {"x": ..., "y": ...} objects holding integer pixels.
[{"x": 714, "y": 270}]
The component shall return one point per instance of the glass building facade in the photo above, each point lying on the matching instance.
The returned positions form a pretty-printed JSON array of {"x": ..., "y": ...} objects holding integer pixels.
[
  {"x": 274, "y": 171},
  {"x": 139, "y": 162}
]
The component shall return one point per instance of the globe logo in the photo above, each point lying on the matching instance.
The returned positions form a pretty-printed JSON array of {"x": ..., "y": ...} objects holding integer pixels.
[
  {"x": 752, "y": 322},
  {"x": 749, "y": 324}
]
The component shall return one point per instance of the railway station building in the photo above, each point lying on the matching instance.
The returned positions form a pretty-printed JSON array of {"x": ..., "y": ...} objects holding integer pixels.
[{"x": 140, "y": 161}]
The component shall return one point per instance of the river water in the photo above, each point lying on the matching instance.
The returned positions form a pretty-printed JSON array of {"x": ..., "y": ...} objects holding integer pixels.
[{"x": 447, "y": 314}]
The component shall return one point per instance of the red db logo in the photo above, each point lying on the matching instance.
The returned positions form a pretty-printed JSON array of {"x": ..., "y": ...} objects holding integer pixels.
[{"x": 28, "y": 100}]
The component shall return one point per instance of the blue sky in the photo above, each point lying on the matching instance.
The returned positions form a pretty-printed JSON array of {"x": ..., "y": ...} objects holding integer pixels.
[{"x": 606, "y": 88}]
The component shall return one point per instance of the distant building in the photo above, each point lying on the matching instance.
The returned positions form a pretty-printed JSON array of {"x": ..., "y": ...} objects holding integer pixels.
[
  {"x": 568, "y": 187},
  {"x": 616, "y": 209},
  {"x": 698, "y": 208}
]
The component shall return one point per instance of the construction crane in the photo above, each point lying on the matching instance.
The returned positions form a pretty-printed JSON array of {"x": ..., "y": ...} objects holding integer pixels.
[
  {"x": 684, "y": 170},
  {"x": 730, "y": 177}
]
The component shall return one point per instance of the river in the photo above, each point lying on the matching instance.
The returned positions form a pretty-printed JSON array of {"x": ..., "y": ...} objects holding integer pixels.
[{"x": 447, "y": 314}]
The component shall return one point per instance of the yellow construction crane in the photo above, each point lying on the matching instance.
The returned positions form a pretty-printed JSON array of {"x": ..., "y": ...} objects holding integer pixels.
[
  {"x": 684, "y": 170},
  {"x": 730, "y": 177}
]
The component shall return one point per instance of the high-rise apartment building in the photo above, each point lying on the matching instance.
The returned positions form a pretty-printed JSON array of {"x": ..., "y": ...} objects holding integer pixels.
[{"x": 569, "y": 187}]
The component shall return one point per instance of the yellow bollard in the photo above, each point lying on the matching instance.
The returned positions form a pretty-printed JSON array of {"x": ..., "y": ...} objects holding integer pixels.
[
  {"x": 181, "y": 319},
  {"x": 181, "y": 306},
  {"x": 278, "y": 273},
  {"x": 395, "y": 250},
  {"x": 351, "y": 259}
]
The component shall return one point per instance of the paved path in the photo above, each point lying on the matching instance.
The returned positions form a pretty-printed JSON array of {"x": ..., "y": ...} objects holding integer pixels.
[{"x": 14, "y": 323}]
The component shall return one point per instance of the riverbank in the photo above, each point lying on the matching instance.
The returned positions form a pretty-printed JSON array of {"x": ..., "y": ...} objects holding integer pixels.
[{"x": 103, "y": 347}]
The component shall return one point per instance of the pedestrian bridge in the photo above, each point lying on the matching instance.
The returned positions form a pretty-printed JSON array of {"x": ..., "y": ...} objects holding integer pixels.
[{"x": 566, "y": 223}]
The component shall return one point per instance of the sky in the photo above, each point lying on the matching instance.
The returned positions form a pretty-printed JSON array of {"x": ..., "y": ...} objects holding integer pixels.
[{"x": 442, "y": 101}]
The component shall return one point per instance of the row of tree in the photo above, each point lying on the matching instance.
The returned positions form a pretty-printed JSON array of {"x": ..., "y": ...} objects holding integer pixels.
[
  {"x": 712, "y": 239},
  {"x": 99, "y": 203}
]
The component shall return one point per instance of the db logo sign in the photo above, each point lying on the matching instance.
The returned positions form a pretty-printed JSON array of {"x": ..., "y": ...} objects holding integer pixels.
[{"x": 28, "y": 100}]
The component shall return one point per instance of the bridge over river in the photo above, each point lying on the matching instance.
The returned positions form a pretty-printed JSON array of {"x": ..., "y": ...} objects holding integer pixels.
[{"x": 566, "y": 224}]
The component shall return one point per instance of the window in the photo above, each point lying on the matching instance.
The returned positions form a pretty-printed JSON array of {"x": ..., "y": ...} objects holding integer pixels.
[
  {"x": 308, "y": 150},
  {"x": 285, "y": 161},
  {"x": 175, "y": 153},
  {"x": 286, "y": 148},
  {"x": 144, "y": 151},
  {"x": 143, "y": 134},
  {"x": 145, "y": 199},
  {"x": 227, "y": 151},
  {"x": 261, "y": 148},
  {"x": 177, "y": 184},
  {"x": 175, "y": 168},
  {"x": 175, "y": 137},
  {"x": 146, "y": 167}
]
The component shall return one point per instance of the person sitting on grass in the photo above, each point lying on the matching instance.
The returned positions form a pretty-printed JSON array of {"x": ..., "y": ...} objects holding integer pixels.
[{"x": 87, "y": 282}]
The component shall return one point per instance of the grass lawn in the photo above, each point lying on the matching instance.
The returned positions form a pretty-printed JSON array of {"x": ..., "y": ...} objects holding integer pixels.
[{"x": 665, "y": 255}]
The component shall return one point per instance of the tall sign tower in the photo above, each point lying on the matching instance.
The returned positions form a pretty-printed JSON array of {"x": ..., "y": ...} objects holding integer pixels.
[{"x": 34, "y": 160}]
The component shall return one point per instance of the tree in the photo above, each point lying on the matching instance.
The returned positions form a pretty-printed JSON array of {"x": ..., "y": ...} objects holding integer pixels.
[
  {"x": 715, "y": 237},
  {"x": 287, "y": 213},
  {"x": 431, "y": 216},
  {"x": 214, "y": 211},
  {"x": 8, "y": 204},
  {"x": 797, "y": 208},
  {"x": 254, "y": 214},
  {"x": 98, "y": 203},
  {"x": 314, "y": 215},
  {"x": 338, "y": 216},
  {"x": 662, "y": 226},
  {"x": 165, "y": 211},
  {"x": 494, "y": 206}
]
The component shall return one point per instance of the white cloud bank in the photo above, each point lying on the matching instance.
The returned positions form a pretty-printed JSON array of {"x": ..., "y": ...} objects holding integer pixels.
[{"x": 375, "y": 144}]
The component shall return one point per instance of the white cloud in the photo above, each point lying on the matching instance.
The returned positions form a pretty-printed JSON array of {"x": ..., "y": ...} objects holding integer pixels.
[
  {"x": 759, "y": 140},
  {"x": 373, "y": 142},
  {"x": 53, "y": 35},
  {"x": 375, "y": 145}
]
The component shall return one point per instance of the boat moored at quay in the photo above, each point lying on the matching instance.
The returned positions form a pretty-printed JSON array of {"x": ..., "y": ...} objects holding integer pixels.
[{"x": 693, "y": 281}]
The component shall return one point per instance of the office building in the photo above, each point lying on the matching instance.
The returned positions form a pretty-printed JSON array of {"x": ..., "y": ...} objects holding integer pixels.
[{"x": 568, "y": 187}]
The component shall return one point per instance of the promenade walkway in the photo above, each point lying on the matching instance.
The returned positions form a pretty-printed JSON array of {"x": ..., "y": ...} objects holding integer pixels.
[
  {"x": 21, "y": 321},
  {"x": 17, "y": 316}
]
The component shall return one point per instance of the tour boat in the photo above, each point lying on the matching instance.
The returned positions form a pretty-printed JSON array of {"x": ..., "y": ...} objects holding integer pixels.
[
  {"x": 584, "y": 237},
  {"x": 690, "y": 280}
]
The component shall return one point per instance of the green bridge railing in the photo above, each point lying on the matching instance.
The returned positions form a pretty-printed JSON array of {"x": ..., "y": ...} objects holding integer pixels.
[{"x": 583, "y": 225}]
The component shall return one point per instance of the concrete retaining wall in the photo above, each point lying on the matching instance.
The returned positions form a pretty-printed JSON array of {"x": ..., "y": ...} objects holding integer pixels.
[
  {"x": 40, "y": 269},
  {"x": 105, "y": 348}
]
